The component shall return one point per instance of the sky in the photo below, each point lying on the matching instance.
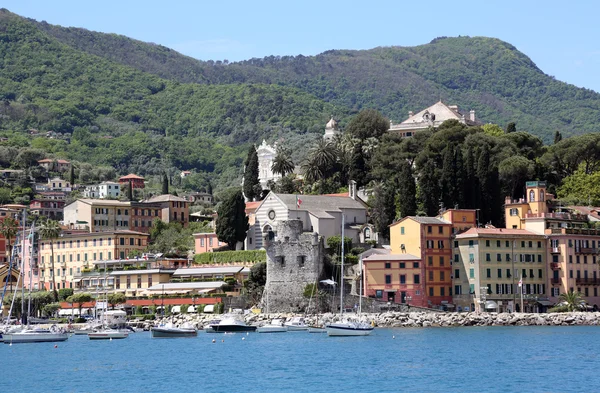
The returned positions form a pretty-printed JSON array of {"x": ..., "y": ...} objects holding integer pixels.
[{"x": 561, "y": 37}]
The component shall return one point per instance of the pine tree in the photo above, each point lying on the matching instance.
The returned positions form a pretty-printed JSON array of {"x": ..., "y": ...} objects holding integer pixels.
[
  {"x": 358, "y": 167},
  {"x": 447, "y": 179},
  {"x": 251, "y": 175},
  {"x": 72, "y": 176},
  {"x": 429, "y": 189},
  {"x": 382, "y": 212},
  {"x": 406, "y": 197},
  {"x": 460, "y": 178},
  {"x": 165, "y": 184},
  {"x": 511, "y": 127},
  {"x": 232, "y": 221}
]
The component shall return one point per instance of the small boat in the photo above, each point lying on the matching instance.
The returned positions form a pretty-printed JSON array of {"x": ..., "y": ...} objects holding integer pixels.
[
  {"x": 107, "y": 334},
  {"x": 276, "y": 326},
  {"x": 233, "y": 324},
  {"x": 54, "y": 334},
  {"x": 170, "y": 330},
  {"x": 349, "y": 329},
  {"x": 296, "y": 324},
  {"x": 210, "y": 327},
  {"x": 87, "y": 328},
  {"x": 317, "y": 329}
]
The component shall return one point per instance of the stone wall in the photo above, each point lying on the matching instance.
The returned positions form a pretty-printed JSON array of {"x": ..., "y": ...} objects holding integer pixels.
[{"x": 294, "y": 259}]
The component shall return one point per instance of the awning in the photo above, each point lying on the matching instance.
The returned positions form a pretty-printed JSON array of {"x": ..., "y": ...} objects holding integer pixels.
[
  {"x": 209, "y": 308},
  {"x": 545, "y": 303},
  {"x": 176, "y": 309},
  {"x": 77, "y": 280},
  {"x": 192, "y": 309},
  {"x": 389, "y": 290}
]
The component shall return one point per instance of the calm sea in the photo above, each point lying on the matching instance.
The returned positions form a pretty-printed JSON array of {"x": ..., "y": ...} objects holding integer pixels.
[{"x": 494, "y": 359}]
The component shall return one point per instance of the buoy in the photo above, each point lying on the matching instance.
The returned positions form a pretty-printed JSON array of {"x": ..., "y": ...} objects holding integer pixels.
[
  {"x": 247, "y": 333},
  {"x": 55, "y": 346},
  {"x": 394, "y": 337},
  {"x": 222, "y": 341},
  {"x": 110, "y": 339},
  {"x": 243, "y": 338},
  {"x": 214, "y": 341}
]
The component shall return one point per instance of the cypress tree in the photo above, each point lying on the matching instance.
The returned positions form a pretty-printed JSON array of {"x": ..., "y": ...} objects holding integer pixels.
[
  {"x": 129, "y": 190},
  {"x": 511, "y": 127},
  {"x": 406, "y": 199},
  {"x": 72, "y": 176},
  {"x": 447, "y": 179},
  {"x": 557, "y": 137},
  {"x": 251, "y": 175},
  {"x": 460, "y": 178},
  {"x": 165, "y": 184},
  {"x": 429, "y": 190},
  {"x": 232, "y": 222}
]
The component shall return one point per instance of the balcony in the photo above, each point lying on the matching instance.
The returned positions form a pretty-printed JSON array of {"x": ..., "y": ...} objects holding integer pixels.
[
  {"x": 587, "y": 281},
  {"x": 555, "y": 250},
  {"x": 555, "y": 266},
  {"x": 555, "y": 281},
  {"x": 586, "y": 250},
  {"x": 573, "y": 231}
]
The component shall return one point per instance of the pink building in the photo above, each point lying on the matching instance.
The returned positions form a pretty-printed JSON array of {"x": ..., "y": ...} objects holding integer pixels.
[{"x": 206, "y": 242}]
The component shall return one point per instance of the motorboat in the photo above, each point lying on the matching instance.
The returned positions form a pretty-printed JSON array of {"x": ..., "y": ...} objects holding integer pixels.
[
  {"x": 210, "y": 327},
  {"x": 275, "y": 326},
  {"x": 347, "y": 328},
  {"x": 54, "y": 334},
  {"x": 296, "y": 324},
  {"x": 170, "y": 330},
  {"x": 87, "y": 328},
  {"x": 232, "y": 324},
  {"x": 107, "y": 334}
]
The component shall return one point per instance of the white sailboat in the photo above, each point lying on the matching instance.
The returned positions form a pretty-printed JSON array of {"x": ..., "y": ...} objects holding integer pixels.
[
  {"x": 28, "y": 334},
  {"x": 346, "y": 328},
  {"x": 275, "y": 326},
  {"x": 106, "y": 332}
]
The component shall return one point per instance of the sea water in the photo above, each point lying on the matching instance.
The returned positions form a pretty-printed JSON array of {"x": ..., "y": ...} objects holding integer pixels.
[{"x": 487, "y": 359}]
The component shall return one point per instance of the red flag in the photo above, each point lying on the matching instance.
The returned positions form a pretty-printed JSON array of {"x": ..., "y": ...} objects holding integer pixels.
[
  {"x": 298, "y": 202},
  {"x": 521, "y": 282}
]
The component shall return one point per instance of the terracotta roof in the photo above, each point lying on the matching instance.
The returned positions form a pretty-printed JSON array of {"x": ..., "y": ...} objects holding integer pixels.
[
  {"x": 251, "y": 206},
  {"x": 341, "y": 194},
  {"x": 483, "y": 232},
  {"x": 165, "y": 198},
  {"x": 131, "y": 176}
]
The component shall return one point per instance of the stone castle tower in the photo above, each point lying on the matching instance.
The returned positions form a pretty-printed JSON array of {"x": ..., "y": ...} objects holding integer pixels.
[{"x": 294, "y": 259}]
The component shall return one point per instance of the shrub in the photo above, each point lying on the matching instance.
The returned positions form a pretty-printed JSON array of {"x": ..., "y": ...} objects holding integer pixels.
[
  {"x": 80, "y": 320},
  {"x": 231, "y": 256},
  {"x": 357, "y": 250},
  {"x": 563, "y": 308},
  {"x": 184, "y": 308}
]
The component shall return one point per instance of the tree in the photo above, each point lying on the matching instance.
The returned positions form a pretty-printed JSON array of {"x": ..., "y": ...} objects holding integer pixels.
[
  {"x": 514, "y": 172},
  {"x": 256, "y": 281},
  {"x": 429, "y": 189},
  {"x": 130, "y": 190},
  {"x": 406, "y": 198},
  {"x": 165, "y": 184},
  {"x": 79, "y": 299},
  {"x": 5, "y": 195},
  {"x": 573, "y": 300},
  {"x": 282, "y": 162},
  {"x": 557, "y": 137},
  {"x": 232, "y": 221},
  {"x": 9, "y": 228},
  {"x": 382, "y": 209},
  {"x": 50, "y": 230},
  {"x": 72, "y": 175},
  {"x": 64, "y": 293},
  {"x": 511, "y": 127},
  {"x": 368, "y": 123},
  {"x": 251, "y": 175},
  {"x": 321, "y": 161},
  {"x": 115, "y": 299},
  {"x": 492, "y": 129}
]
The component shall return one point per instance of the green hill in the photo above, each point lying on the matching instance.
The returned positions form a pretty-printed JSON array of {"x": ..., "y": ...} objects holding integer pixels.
[{"x": 485, "y": 74}]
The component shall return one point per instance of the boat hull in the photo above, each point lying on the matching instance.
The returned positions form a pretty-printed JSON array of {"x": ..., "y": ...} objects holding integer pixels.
[
  {"x": 21, "y": 338},
  {"x": 348, "y": 330},
  {"x": 317, "y": 330},
  {"x": 107, "y": 335},
  {"x": 173, "y": 333},
  {"x": 271, "y": 329},
  {"x": 233, "y": 328}
]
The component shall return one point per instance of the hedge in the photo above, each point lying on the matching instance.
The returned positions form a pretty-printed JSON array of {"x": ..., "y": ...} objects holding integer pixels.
[{"x": 231, "y": 257}]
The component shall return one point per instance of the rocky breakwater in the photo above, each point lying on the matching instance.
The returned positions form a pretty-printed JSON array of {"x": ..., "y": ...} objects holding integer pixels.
[{"x": 411, "y": 319}]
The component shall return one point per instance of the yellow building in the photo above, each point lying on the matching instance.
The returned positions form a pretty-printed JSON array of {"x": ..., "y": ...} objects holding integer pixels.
[
  {"x": 97, "y": 215},
  {"x": 429, "y": 238},
  {"x": 488, "y": 265},
  {"x": 75, "y": 253}
]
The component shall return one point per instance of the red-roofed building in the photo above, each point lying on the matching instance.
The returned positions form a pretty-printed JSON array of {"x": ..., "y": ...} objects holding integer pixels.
[
  {"x": 55, "y": 165},
  {"x": 135, "y": 180}
]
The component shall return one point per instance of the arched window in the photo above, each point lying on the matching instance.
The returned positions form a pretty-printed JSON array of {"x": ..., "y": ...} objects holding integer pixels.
[
  {"x": 541, "y": 196},
  {"x": 531, "y": 196},
  {"x": 367, "y": 233}
]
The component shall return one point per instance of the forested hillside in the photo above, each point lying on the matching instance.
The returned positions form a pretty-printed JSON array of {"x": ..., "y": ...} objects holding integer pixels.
[{"x": 485, "y": 74}]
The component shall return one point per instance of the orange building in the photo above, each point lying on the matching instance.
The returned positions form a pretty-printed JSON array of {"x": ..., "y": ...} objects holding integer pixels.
[
  {"x": 206, "y": 242},
  {"x": 135, "y": 180}
]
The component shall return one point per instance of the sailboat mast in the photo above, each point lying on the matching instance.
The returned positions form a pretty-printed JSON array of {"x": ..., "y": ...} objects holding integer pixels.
[
  {"x": 342, "y": 271},
  {"x": 31, "y": 235},
  {"x": 360, "y": 277},
  {"x": 23, "y": 317}
]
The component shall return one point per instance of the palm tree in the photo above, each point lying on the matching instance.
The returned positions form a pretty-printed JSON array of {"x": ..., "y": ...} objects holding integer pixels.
[
  {"x": 321, "y": 160},
  {"x": 574, "y": 300},
  {"x": 50, "y": 230},
  {"x": 9, "y": 228},
  {"x": 282, "y": 163}
]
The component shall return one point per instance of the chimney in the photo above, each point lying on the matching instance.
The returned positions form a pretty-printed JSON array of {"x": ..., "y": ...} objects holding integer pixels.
[
  {"x": 410, "y": 113},
  {"x": 453, "y": 107},
  {"x": 352, "y": 189},
  {"x": 472, "y": 115}
]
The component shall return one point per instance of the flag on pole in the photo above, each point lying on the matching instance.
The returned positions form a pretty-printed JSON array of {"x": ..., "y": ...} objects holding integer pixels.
[
  {"x": 520, "y": 282},
  {"x": 298, "y": 202}
]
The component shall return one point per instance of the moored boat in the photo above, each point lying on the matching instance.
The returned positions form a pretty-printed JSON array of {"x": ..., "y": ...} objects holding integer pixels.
[
  {"x": 275, "y": 326},
  {"x": 349, "y": 329},
  {"x": 210, "y": 327},
  {"x": 53, "y": 334},
  {"x": 296, "y": 324},
  {"x": 232, "y": 324},
  {"x": 169, "y": 330},
  {"x": 107, "y": 334}
]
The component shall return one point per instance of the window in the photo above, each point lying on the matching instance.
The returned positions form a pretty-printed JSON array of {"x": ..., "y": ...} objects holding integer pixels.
[
  {"x": 455, "y": 244},
  {"x": 441, "y": 230},
  {"x": 402, "y": 230},
  {"x": 457, "y": 290},
  {"x": 442, "y": 276},
  {"x": 570, "y": 258},
  {"x": 430, "y": 275},
  {"x": 429, "y": 229},
  {"x": 488, "y": 273},
  {"x": 470, "y": 243},
  {"x": 456, "y": 273},
  {"x": 201, "y": 242},
  {"x": 416, "y": 279},
  {"x": 442, "y": 291},
  {"x": 499, "y": 273},
  {"x": 499, "y": 257},
  {"x": 131, "y": 241},
  {"x": 149, "y": 280},
  {"x": 430, "y": 291},
  {"x": 488, "y": 257},
  {"x": 301, "y": 259},
  {"x": 415, "y": 265},
  {"x": 429, "y": 243},
  {"x": 530, "y": 244},
  {"x": 531, "y": 196},
  {"x": 507, "y": 244},
  {"x": 570, "y": 273},
  {"x": 522, "y": 243},
  {"x": 487, "y": 243},
  {"x": 388, "y": 279},
  {"x": 210, "y": 241},
  {"x": 456, "y": 256},
  {"x": 440, "y": 244},
  {"x": 441, "y": 261},
  {"x": 471, "y": 273},
  {"x": 402, "y": 265},
  {"x": 430, "y": 261},
  {"x": 472, "y": 288},
  {"x": 498, "y": 243},
  {"x": 128, "y": 282},
  {"x": 472, "y": 258},
  {"x": 402, "y": 279},
  {"x": 280, "y": 260},
  {"x": 539, "y": 244},
  {"x": 577, "y": 259},
  {"x": 139, "y": 281},
  {"x": 514, "y": 212},
  {"x": 388, "y": 265}
]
